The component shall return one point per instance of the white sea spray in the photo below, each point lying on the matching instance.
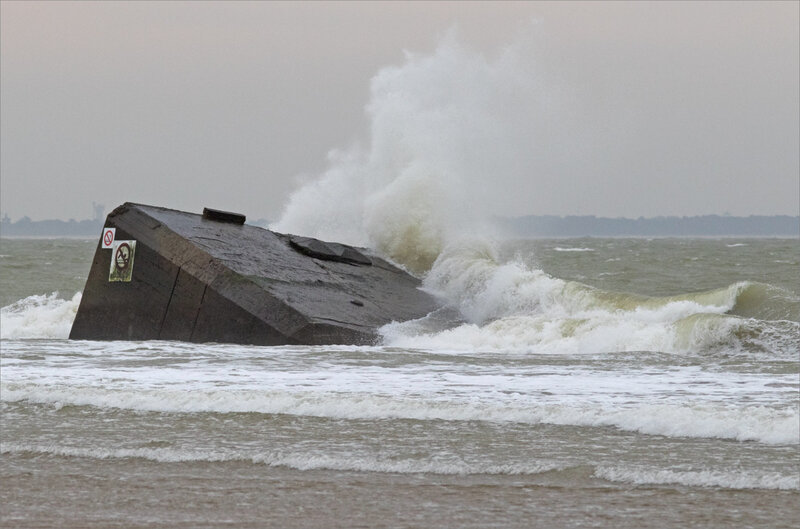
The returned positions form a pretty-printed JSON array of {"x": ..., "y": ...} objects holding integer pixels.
[{"x": 39, "y": 316}]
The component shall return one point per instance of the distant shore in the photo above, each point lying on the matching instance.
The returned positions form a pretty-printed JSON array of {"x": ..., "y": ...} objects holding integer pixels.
[
  {"x": 546, "y": 226},
  {"x": 531, "y": 226}
]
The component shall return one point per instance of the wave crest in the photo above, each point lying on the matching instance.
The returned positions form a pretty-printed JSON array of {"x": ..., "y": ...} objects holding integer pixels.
[
  {"x": 510, "y": 306},
  {"x": 40, "y": 316},
  {"x": 755, "y": 423}
]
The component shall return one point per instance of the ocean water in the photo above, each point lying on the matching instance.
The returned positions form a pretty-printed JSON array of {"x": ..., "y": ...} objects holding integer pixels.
[{"x": 568, "y": 383}]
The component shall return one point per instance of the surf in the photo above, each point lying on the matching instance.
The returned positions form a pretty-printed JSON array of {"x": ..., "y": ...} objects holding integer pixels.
[
  {"x": 442, "y": 156},
  {"x": 40, "y": 316},
  {"x": 511, "y": 306}
]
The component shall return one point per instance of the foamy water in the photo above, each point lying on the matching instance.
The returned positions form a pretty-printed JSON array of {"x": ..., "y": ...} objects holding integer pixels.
[
  {"x": 39, "y": 316},
  {"x": 692, "y": 382},
  {"x": 700, "y": 391},
  {"x": 762, "y": 423}
]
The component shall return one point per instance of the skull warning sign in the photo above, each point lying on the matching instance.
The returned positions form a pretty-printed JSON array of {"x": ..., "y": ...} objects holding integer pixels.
[{"x": 122, "y": 260}]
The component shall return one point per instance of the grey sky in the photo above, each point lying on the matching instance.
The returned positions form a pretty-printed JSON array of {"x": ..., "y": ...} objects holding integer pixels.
[{"x": 673, "y": 108}]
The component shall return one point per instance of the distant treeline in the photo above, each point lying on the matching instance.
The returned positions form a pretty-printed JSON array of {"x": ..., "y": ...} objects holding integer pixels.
[
  {"x": 700, "y": 226},
  {"x": 529, "y": 226}
]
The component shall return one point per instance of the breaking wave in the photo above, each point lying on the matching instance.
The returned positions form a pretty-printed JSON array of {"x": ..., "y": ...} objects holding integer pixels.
[
  {"x": 41, "y": 316},
  {"x": 559, "y": 249},
  {"x": 445, "y": 150},
  {"x": 341, "y": 462},
  {"x": 442, "y": 157},
  {"x": 699, "y": 478},
  {"x": 298, "y": 461},
  {"x": 510, "y": 306},
  {"x": 755, "y": 423}
]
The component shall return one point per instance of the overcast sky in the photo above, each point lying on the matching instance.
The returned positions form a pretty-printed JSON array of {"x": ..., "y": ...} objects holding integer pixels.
[{"x": 672, "y": 108}]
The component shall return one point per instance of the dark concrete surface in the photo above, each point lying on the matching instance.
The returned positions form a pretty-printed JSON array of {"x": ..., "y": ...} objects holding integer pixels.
[{"x": 201, "y": 280}]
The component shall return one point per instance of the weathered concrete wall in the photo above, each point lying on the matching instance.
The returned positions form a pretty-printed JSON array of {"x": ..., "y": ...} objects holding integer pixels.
[{"x": 201, "y": 280}]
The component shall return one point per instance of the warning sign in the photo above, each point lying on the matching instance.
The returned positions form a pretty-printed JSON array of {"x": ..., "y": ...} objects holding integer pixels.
[
  {"x": 107, "y": 240},
  {"x": 122, "y": 253}
]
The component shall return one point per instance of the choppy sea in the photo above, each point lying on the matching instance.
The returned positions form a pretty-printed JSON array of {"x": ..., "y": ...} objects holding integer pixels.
[{"x": 569, "y": 383}]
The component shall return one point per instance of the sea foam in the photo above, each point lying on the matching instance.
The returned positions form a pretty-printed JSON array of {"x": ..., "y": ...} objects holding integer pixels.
[
  {"x": 445, "y": 149},
  {"x": 453, "y": 135},
  {"x": 40, "y": 316},
  {"x": 699, "y": 478},
  {"x": 509, "y": 306},
  {"x": 361, "y": 463},
  {"x": 753, "y": 423}
]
